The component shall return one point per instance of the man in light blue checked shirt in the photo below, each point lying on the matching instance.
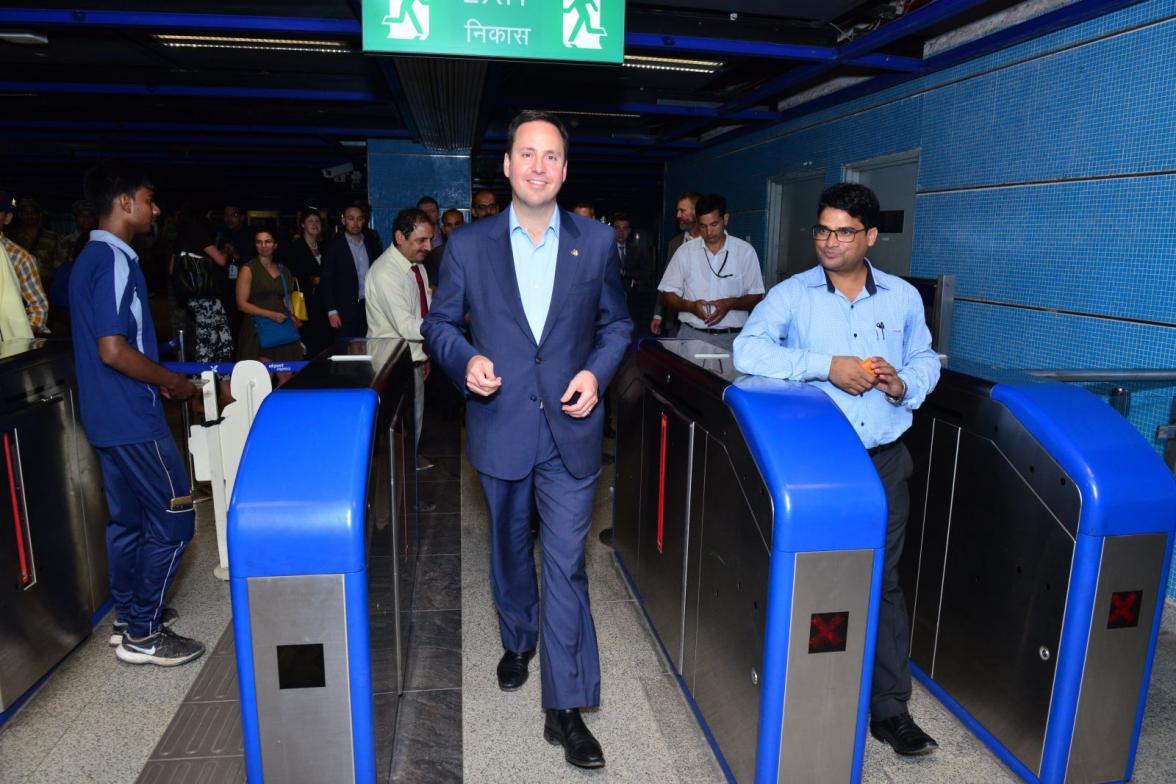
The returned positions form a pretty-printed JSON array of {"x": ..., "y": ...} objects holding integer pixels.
[{"x": 859, "y": 334}]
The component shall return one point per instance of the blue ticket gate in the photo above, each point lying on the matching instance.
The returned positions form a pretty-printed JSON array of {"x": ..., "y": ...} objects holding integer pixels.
[
  {"x": 321, "y": 479},
  {"x": 1036, "y": 561},
  {"x": 751, "y": 524}
]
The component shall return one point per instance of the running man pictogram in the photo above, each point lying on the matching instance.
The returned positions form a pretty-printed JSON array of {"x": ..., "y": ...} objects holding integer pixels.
[
  {"x": 405, "y": 23},
  {"x": 582, "y": 12}
]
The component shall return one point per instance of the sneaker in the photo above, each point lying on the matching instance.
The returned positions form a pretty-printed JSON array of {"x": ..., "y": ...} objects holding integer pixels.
[
  {"x": 119, "y": 628},
  {"x": 164, "y": 648}
]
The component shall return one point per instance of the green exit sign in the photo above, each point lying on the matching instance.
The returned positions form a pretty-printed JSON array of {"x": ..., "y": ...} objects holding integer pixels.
[{"x": 581, "y": 30}]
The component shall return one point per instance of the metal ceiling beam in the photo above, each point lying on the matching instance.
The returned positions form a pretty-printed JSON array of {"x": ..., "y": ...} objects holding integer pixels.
[
  {"x": 188, "y": 91},
  {"x": 911, "y": 23},
  {"x": 1058, "y": 19},
  {"x": 738, "y": 48},
  {"x": 161, "y": 21},
  {"x": 693, "y": 111},
  {"x": 282, "y": 130}
]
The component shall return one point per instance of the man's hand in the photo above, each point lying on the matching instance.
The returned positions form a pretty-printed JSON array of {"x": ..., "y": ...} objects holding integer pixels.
[
  {"x": 180, "y": 388},
  {"x": 655, "y": 326},
  {"x": 888, "y": 380},
  {"x": 480, "y": 376},
  {"x": 583, "y": 382},
  {"x": 335, "y": 321},
  {"x": 717, "y": 309},
  {"x": 847, "y": 374}
]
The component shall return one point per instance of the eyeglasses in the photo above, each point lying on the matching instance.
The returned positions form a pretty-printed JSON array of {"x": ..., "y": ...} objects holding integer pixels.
[{"x": 844, "y": 234}]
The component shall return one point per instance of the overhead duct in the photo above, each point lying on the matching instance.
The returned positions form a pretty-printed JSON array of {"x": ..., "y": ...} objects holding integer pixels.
[{"x": 444, "y": 97}]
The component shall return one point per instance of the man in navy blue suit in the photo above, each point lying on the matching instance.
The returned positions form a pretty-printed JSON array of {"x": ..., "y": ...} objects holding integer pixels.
[{"x": 549, "y": 325}]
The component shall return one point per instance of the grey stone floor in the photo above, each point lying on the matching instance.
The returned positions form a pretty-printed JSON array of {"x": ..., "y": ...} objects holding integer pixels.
[{"x": 98, "y": 721}]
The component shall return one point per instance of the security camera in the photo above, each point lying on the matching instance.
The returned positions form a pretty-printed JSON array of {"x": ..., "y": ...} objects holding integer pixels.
[{"x": 339, "y": 172}]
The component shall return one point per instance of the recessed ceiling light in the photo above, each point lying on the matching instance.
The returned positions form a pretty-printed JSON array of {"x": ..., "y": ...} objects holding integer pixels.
[
  {"x": 680, "y": 64},
  {"x": 256, "y": 44},
  {"x": 585, "y": 114},
  {"x": 23, "y": 37}
]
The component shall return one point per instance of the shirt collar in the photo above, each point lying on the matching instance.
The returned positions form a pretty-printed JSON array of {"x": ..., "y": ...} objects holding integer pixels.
[
  {"x": 552, "y": 225},
  {"x": 355, "y": 244},
  {"x": 105, "y": 236},
  {"x": 871, "y": 285},
  {"x": 398, "y": 258}
]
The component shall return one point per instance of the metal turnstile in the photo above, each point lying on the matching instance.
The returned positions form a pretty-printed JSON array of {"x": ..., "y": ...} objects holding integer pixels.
[
  {"x": 52, "y": 516},
  {"x": 1035, "y": 566},
  {"x": 319, "y": 499},
  {"x": 750, "y": 522}
]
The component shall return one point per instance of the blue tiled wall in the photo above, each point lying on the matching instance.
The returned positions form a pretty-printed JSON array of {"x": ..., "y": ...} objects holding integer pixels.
[
  {"x": 1047, "y": 180},
  {"x": 401, "y": 172}
]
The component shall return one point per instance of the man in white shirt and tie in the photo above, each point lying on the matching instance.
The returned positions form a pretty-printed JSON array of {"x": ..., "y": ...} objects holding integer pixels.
[{"x": 397, "y": 295}]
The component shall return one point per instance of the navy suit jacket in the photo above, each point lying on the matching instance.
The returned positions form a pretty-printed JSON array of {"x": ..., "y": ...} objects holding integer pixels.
[
  {"x": 339, "y": 286},
  {"x": 587, "y": 328}
]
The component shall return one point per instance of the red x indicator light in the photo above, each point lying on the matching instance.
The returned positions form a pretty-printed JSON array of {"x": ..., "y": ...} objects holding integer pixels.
[
  {"x": 827, "y": 632},
  {"x": 1125, "y": 609}
]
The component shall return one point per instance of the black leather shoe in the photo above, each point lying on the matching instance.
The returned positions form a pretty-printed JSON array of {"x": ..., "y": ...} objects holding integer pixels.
[
  {"x": 903, "y": 735},
  {"x": 566, "y": 728},
  {"x": 512, "y": 670}
]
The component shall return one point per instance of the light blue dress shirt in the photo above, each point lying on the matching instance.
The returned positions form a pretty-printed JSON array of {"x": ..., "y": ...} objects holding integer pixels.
[
  {"x": 534, "y": 266},
  {"x": 804, "y": 322}
]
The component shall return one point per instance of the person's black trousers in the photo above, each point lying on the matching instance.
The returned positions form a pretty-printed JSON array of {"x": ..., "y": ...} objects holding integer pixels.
[{"x": 891, "y": 688}]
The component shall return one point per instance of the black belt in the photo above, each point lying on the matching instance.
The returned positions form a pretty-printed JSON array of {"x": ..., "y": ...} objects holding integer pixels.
[
  {"x": 880, "y": 448},
  {"x": 723, "y": 331}
]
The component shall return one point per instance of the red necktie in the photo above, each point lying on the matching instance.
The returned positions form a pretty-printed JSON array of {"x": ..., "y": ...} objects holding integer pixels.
[
  {"x": 421, "y": 290},
  {"x": 416, "y": 270}
]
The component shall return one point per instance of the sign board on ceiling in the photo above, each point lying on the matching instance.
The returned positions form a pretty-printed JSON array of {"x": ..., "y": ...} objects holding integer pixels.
[{"x": 577, "y": 30}]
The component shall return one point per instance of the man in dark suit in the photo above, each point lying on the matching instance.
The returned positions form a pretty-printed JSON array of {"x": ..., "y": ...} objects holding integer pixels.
[
  {"x": 346, "y": 260},
  {"x": 549, "y": 327}
]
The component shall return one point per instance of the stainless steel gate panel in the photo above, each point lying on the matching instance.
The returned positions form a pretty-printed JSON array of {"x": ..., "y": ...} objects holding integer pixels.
[
  {"x": 925, "y": 551},
  {"x": 44, "y": 589},
  {"x": 300, "y": 669},
  {"x": 1130, "y": 582},
  {"x": 664, "y": 528},
  {"x": 732, "y": 597},
  {"x": 823, "y": 688},
  {"x": 1004, "y": 592}
]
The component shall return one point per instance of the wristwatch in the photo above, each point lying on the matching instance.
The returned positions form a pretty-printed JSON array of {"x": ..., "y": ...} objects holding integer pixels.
[{"x": 897, "y": 401}]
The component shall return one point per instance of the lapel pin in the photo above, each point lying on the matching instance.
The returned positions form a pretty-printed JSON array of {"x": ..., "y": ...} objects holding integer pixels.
[{"x": 575, "y": 251}]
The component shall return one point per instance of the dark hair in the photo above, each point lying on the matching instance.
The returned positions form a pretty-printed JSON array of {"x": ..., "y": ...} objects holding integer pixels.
[
  {"x": 306, "y": 212},
  {"x": 455, "y": 212},
  {"x": 407, "y": 220},
  {"x": 585, "y": 205},
  {"x": 694, "y": 196},
  {"x": 264, "y": 228},
  {"x": 620, "y": 216},
  {"x": 709, "y": 203},
  {"x": 108, "y": 180},
  {"x": 530, "y": 115},
  {"x": 858, "y": 200},
  {"x": 428, "y": 200}
]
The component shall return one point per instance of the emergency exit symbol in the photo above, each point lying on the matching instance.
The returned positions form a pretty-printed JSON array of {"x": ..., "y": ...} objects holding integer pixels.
[
  {"x": 1125, "y": 608},
  {"x": 828, "y": 632},
  {"x": 408, "y": 19},
  {"x": 581, "y": 24}
]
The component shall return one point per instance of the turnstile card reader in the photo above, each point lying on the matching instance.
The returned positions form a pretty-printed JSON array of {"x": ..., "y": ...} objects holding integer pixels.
[
  {"x": 750, "y": 522},
  {"x": 297, "y": 557},
  {"x": 1036, "y": 561}
]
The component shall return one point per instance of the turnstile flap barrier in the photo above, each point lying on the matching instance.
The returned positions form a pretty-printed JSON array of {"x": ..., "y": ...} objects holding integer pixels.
[
  {"x": 1125, "y": 486},
  {"x": 825, "y": 492},
  {"x": 303, "y": 471}
]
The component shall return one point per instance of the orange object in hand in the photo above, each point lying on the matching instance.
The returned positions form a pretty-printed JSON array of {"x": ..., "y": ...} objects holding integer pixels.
[{"x": 868, "y": 365}]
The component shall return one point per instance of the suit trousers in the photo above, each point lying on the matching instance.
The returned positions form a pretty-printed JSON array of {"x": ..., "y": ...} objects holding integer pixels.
[
  {"x": 562, "y": 622},
  {"x": 891, "y": 688}
]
